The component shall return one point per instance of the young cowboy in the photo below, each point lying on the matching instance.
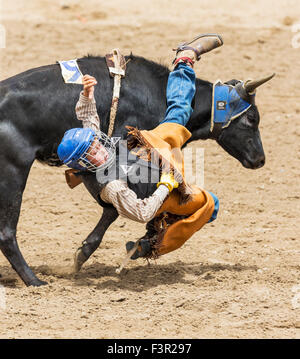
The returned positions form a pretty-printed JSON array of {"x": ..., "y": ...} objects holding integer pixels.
[{"x": 170, "y": 134}]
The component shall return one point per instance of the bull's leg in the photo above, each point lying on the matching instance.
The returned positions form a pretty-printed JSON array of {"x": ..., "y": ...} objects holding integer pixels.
[
  {"x": 94, "y": 239},
  {"x": 12, "y": 183}
]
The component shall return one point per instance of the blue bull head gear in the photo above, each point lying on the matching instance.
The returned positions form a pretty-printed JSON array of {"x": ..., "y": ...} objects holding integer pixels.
[
  {"x": 229, "y": 102},
  {"x": 226, "y": 105}
]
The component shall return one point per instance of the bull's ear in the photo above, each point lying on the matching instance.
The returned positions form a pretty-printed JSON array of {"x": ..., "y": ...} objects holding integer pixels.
[{"x": 232, "y": 82}]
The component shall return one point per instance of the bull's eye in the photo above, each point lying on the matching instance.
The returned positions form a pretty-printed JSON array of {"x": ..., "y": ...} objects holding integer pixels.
[{"x": 251, "y": 118}]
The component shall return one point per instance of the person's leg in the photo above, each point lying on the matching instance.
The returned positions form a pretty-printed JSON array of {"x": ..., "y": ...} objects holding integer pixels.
[
  {"x": 180, "y": 93},
  {"x": 201, "y": 210},
  {"x": 171, "y": 134},
  {"x": 179, "y": 232},
  {"x": 181, "y": 89}
]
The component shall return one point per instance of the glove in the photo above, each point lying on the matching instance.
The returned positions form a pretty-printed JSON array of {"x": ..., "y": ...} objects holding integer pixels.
[{"x": 169, "y": 181}]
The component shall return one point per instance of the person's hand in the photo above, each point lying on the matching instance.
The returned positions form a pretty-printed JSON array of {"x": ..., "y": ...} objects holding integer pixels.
[
  {"x": 88, "y": 86},
  {"x": 169, "y": 181}
]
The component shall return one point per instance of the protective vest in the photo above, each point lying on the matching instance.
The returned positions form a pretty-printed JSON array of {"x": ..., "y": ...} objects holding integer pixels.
[{"x": 141, "y": 176}]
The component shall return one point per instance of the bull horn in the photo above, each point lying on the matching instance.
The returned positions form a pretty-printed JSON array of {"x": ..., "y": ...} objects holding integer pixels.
[{"x": 251, "y": 85}]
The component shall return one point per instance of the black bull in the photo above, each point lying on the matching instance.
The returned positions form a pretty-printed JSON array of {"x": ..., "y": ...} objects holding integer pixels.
[{"x": 37, "y": 107}]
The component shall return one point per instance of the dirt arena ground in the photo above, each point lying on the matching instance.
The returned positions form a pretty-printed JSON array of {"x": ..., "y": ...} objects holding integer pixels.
[{"x": 236, "y": 278}]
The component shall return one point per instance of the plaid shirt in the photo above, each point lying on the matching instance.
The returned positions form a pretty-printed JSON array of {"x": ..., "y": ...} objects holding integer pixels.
[
  {"x": 86, "y": 111},
  {"x": 117, "y": 192}
]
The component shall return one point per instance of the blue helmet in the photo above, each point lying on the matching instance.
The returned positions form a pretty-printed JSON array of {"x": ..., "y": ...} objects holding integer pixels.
[{"x": 73, "y": 145}]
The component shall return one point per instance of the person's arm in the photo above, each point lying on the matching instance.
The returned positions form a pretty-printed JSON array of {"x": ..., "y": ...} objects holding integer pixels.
[
  {"x": 128, "y": 205},
  {"x": 86, "y": 110}
]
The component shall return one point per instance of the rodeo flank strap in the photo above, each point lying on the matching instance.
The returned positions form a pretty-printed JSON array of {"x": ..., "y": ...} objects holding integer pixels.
[{"x": 116, "y": 66}]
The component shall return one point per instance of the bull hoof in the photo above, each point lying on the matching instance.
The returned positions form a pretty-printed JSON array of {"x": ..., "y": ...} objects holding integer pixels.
[
  {"x": 79, "y": 259},
  {"x": 37, "y": 283}
]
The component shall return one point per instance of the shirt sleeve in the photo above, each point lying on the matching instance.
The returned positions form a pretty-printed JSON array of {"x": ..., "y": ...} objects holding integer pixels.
[
  {"x": 128, "y": 205},
  {"x": 86, "y": 111}
]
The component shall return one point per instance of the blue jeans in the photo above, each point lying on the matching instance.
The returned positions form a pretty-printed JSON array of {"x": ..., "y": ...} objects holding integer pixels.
[{"x": 181, "y": 90}]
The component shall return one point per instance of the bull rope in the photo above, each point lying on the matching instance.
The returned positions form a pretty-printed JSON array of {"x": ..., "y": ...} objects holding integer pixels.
[{"x": 116, "y": 65}]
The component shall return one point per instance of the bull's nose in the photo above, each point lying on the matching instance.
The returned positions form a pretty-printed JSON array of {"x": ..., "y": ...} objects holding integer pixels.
[{"x": 260, "y": 162}]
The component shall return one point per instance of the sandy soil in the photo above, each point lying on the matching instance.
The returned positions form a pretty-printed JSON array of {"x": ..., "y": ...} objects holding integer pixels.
[{"x": 235, "y": 278}]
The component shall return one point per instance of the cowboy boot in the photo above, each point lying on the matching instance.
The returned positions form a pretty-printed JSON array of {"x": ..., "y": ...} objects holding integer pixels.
[
  {"x": 144, "y": 241},
  {"x": 143, "y": 250},
  {"x": 189, "y": 52}
]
